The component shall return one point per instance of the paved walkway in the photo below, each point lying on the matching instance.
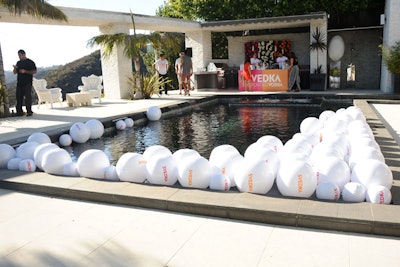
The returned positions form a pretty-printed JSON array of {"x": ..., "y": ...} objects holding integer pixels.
[{"x": 47, "y": 231}]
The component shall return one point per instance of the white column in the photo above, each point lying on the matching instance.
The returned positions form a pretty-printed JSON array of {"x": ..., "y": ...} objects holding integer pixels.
[
  {"x": 200, "y": 42},
  {"x": 117, "y": 67},
  {"x": 391, "y": 34}
]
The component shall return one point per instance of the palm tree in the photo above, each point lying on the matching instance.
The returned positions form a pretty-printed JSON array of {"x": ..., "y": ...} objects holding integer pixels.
[
  {"x": 36, "y": 9},
  {"x": 135, "y": 43}
]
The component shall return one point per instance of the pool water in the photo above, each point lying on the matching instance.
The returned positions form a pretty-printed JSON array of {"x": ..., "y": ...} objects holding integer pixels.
[{"x": 203, "y": 129}]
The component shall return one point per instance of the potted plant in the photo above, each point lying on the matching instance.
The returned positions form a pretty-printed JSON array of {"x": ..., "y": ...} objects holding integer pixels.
[
  {"x": 150, "y": 85},
  {"x": 318, "y": 44},
  {"x": 391, "y": 58}
]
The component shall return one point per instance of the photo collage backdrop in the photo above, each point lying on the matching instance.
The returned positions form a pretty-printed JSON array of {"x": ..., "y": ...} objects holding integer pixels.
[{"x": 267, "y": 50}]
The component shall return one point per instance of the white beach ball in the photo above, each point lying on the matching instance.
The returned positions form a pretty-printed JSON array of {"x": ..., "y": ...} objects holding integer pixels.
[
  {"x": 222, "y": 151},
  {"x": 372, "y": 172},
  {"x": 162, "y": 170},
  {"x": 71, "y": 169},
  {"x": 92, "y": 162},
  {"x": 220, "y": 182},
  {"x": 153, "y": 113},
  {"x": 54, "y": 160},
  {"x": 129, "y": 122},
  {"x": 7, "y": 152},
  {"x": 194, "y": 172},
  {"x": 332, "y": 169},
  {"x": 335, "y": 124},
  {"x": 13, "y": 164},
  {"x": 378, "y": 194},
  {"x": 79, "y": 132},
  {"x": 274, "y": 142},
  {"x": 27, "y": 165},
  {"x": 182, "y": 154},
  {"x": 40, "y": 151},
  {"x": 131, "y": 167},
  {"x": 325, "y": 115},
  {"x": 269, "y": 157},
  {"x": 26, "y": 150},
  {"x": 296, "y": 179},
  {"x": 65, "y": 140},
  {"x": 310, "y": 125},
  {"x": 120, "y": 125},
  {"x": 328, "y": 191},
  {"x": 366, "y": 152},
  {"x": 156, "y": 151},
  {"x": 353, "y": 192},
  {"x": 356, "y": 113},
  {"x": 110, "y": 173},
  {"x": 254, "y": 177},
  {"x": 96, "y": 128},
  {"x": 40, "y": 138},
  {"x": 228, "y": 165}
]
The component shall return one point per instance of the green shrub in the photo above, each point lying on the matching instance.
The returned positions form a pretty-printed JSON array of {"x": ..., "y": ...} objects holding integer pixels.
[{"x": 391, "y": 57}]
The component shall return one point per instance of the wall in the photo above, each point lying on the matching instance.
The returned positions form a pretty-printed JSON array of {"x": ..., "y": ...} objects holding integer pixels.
[{"x": 361, "y": 49}]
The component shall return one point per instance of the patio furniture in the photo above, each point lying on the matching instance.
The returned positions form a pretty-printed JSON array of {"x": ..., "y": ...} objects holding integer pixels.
[
  {"x": 79, "y": 99},
  {"x": 92, "y": 85},
  {"x": 46, "y": 95}
]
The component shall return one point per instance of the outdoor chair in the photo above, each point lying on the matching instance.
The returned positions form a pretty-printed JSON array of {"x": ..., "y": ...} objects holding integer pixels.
[
  {"x": 92, "y": 85},
  {"x": 46, "y": 95}
]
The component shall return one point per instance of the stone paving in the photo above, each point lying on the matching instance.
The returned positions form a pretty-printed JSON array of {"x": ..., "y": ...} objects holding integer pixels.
[{"x": 271, "y": 208}]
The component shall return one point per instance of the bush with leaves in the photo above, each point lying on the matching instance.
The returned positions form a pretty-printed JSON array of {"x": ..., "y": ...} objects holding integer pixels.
[
  {"x": 150, "y": 85},
  {"x": 391, "y": 57}
]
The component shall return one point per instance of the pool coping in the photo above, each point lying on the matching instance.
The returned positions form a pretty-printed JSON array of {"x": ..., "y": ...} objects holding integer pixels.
[{"x": 363, "y": 217}]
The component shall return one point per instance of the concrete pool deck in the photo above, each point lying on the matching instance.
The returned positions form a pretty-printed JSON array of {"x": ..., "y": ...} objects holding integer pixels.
[{"x": 272, "y": 209}]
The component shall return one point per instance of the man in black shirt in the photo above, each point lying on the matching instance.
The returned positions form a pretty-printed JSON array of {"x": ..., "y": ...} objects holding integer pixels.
[{"x": 24, "y": 69}]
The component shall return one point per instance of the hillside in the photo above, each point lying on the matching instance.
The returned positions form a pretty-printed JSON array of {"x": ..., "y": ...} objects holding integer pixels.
[{"x": 67, "y": 77}]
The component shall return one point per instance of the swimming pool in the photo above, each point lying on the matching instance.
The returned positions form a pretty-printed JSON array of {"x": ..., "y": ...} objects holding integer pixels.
[{"x": 206, "y": 127}]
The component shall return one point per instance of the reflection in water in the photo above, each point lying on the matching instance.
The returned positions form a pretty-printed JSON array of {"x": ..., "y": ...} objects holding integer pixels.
[{"x": 204, "y": 129}]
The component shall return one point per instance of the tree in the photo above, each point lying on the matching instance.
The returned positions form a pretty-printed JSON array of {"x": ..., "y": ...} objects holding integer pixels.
[
  {"x": 35, "y": 8},
  {"x": 134, "y": 44},
  {"x": 215, "y": 10}
]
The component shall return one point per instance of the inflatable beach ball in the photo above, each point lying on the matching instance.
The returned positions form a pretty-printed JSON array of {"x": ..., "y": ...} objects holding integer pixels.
[
  {"x": 221, "y": 151},
  {"x": 79, "y": 132},
  {"x": 272, "y": 141},
  {"x": 96, "y": 128},
  {"x": 254, "y": 176},
  {"x": 26, "y": 150},
  {"x": 120, "y": 125},
  {"x": 310, "y": 125},
  {"x": 182, "y": 154},
  {"x": 153, "y": 113},
  {"x": 156, "y": 151},
  {"x": 379, "y": 194},
  {"x": 353, "y": 192},
  {"x": 92, "y": 162},
  {"x": 129, "y": 122},
  {"x": 296, "y": 179},
  {"x": 40, "y": 151},
  {"x": 65, "y": 140},
  {"x": 220, "y": 182},
  {"x": 13, "y": 164},
  {"x": 328, "y": 191},
  {"x": 194, "y": 172},
  {"x": 372, "y": 172},
  {"x": 27, "y": 165},
  {"x": 162, "y": 170},
  {"x": 54, "y": 160},
  {"x": 131, "y": 167},
  {"x": 40, "y": 138},
  {"x": 7, "y": 152}
]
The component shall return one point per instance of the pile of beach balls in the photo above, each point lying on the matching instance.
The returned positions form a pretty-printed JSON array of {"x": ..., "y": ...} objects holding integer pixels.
[{"x": 334, "y": 156}]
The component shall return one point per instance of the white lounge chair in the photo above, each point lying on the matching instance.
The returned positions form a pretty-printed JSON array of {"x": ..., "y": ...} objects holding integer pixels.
[
  {"x": 92, "y": 85},
  {"x": 46, "y": 95}
]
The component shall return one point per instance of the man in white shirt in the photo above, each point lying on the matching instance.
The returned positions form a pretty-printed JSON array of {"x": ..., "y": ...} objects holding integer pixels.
[
  {"x": 161, "y": 66},
  {"x": 255, "y": 61}
]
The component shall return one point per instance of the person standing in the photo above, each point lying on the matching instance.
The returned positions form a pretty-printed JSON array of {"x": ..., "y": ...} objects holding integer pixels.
[
  {"x": 161, "y": 66},
  {"x": 25, "y": 69},
  {"x": 178, "y": 70},
  {"x": 184, "y": 68},
  {"x": 294, "y": 73},
  {"x": 247, "y": 75}
]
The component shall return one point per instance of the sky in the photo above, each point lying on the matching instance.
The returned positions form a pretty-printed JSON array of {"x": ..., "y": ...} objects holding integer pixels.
[{"x": 58, "y": 45}]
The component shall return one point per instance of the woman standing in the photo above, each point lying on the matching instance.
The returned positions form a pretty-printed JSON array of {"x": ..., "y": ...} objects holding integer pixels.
[
  {"x": 247, "y": 75},
  {"x": 294, "y": 73}
]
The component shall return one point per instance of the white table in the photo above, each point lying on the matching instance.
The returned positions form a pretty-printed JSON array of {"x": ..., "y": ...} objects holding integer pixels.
[{"x": 79, "y": 99}]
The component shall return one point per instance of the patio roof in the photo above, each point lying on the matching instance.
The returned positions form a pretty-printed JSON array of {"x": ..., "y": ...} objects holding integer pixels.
[{"x": 96, "y": 18}]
